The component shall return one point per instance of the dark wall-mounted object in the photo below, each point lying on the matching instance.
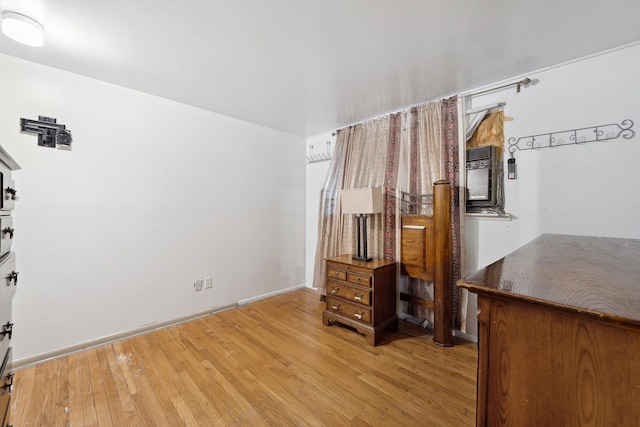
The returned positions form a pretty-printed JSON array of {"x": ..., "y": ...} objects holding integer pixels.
[
  {"x": 484, "y": 167},
  {"x": 50, "y": 133}
]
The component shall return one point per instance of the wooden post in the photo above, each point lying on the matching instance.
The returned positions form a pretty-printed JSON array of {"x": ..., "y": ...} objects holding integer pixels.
[{"x": 443, "y": 321}]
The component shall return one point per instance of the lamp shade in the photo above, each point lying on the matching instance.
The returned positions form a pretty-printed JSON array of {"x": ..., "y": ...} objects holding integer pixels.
[{"x": 362, "y": 201}]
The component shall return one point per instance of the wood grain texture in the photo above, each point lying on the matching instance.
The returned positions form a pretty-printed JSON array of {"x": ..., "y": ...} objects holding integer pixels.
[
  {"x": 271, "y": 362},
  {"x": 417, "y": 238},
  {"x": 595, "y": 275},
  {"x": 559, "y": 334},
  {"x": 552, "y": 368},
  {"x": 426, "y": 255},
  {"x": 442, "y": 297}
]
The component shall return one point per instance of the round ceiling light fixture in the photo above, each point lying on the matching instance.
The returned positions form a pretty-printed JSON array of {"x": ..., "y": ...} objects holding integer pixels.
[{"x": 22, "y": 29}]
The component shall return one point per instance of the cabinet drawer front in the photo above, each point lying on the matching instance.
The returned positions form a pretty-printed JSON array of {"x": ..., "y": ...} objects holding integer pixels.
[
  {"x": 349, "y": 310},
  {"x": 336, "y": 272},
  {"x": 359, "y": 279},
  {"x": 9, "y": 194},
  {"x": 342, "y": 290},
  {"x": 6, "y": 382},
  {"x": 8, "y": 278},
  {"x": 6, "y": 326},
  {"x": 6, "y": 234}
]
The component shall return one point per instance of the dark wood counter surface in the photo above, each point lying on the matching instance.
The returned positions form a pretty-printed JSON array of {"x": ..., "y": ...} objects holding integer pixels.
[
  {"x": 599, "y": 276},
  {"x": 559, "y": 333}
]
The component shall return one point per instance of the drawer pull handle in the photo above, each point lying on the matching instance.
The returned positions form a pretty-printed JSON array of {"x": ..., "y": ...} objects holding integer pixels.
[
  {"x": 358, "y": 280},
  {"x": 9, "y": 384},
  {"x": 357, "y": 297},
  {"x": 13, "y": 192},
  {"x": 336, "y": 307},
  {"x": 9, "y": 231},
  {"x": 358, "y": 315},
  {"x": 335, "y": 291},
  {"x": 7, "y": 329},
  {"x": 13, "y": 277},
  {"x": 335, "y": 274}
]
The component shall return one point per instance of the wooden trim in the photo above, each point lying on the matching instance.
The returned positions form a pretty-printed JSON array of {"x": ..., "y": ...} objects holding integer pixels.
[
  {"x": 484, "y": 319},
  {"x": 443, "y": 312},
  {"x": 416, "y": 300}
]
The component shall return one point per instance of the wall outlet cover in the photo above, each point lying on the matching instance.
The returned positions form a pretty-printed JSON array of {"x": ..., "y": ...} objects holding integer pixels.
[
  {"x": 198, "y": 285},
  {"x": 208, "y": 282}
]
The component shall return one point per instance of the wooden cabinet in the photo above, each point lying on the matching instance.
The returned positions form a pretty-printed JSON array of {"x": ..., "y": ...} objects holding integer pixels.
[
  {"x": 8, "y": 281},
  {"x": 361, "y": 295},
  {"x": 559, "y": 334}
]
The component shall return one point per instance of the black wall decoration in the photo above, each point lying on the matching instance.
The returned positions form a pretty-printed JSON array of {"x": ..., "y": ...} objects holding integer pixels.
[{"x": 50, "y": 133}]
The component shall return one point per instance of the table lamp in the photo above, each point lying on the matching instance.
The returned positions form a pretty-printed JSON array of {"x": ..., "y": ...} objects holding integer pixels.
[{"x": 362, "y": 202}]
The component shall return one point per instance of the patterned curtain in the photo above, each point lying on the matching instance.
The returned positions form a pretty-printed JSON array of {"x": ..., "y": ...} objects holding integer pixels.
[
  {"x": 450, "y": 144},
  {"x": 390, "y": 193},
  {"x": 406, "y": 151},
  {"x": 423, "y": 125},
  {"x": 364, "y": 157},
  {"x": 430, "y": 149}
]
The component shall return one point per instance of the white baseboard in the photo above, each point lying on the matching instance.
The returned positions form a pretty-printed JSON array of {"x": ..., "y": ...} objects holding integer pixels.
[
  {"x": 271, "y": 294},
  {"x": 65, "y": 351}
]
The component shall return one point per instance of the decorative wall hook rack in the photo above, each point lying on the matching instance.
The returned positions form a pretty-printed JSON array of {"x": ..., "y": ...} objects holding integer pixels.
[
  {"x": 574, "y": 136},
  {"x": 321, "y": 157}
]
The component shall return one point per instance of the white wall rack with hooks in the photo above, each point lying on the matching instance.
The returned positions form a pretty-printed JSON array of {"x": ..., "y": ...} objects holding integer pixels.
[{"x": 320, "y": 157}]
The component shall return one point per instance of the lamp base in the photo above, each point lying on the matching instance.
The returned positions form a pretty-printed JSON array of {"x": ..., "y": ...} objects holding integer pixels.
[{"x": 361, "y": 235}]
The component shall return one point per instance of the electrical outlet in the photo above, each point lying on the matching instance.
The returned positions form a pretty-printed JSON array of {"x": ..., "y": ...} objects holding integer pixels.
[
  {"x": 208, "y": 282},
  {"x": 198, "y": 285}
]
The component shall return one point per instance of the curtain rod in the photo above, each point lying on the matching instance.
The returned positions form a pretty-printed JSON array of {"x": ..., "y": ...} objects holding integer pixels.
[{"x": 519, "y": 84}]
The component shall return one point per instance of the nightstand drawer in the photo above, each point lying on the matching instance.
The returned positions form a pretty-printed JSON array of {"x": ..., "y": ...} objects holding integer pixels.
[
  {"x": 359, "y": 279},
  {"x": 352, "y": 311},
  {"x": 335, "y": 272},
  {"x": 342, "y": 290}
]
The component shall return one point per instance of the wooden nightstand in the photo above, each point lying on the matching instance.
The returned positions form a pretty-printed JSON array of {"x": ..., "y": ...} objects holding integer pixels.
[{"x": 361, "y": 295}]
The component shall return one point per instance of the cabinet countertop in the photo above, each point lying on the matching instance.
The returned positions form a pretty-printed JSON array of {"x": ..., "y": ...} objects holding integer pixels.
[{"x": 599, "y": 276}]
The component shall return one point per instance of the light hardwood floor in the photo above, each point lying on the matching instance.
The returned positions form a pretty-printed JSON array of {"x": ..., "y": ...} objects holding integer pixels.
[{"x": 271, "y": 362}]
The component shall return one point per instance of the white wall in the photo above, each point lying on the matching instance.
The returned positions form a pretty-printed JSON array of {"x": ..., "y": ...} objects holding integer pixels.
[
  {"x": 591, "y": 189},
  {"x": 154, "y": 195},
  {"x": 316, "y": 176}
]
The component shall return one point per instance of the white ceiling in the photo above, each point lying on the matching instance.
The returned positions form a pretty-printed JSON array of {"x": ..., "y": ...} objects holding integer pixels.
[{"x": 310, "y": 66}]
